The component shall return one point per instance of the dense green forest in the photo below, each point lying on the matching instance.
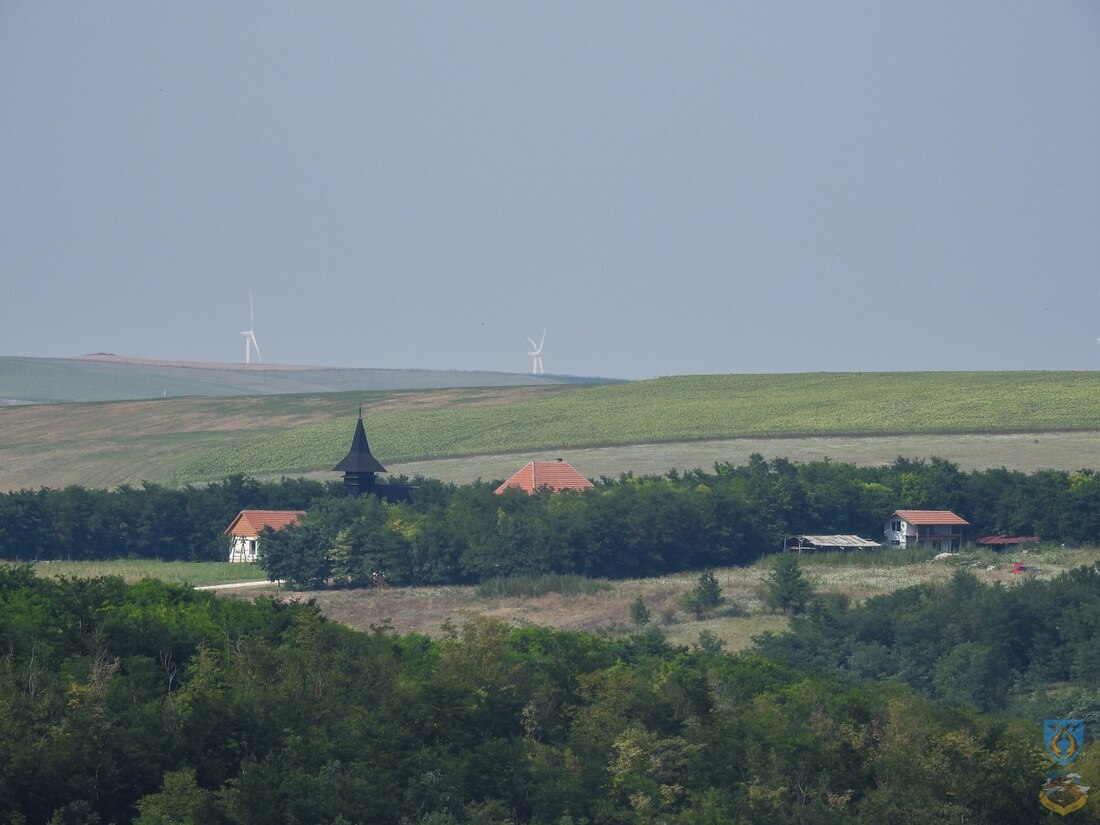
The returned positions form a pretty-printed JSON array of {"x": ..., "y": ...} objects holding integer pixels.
[
  {"x": 630, "y": 526},
  {"x": 158, "y": 704},
  {"x": 962, "y": 642}
]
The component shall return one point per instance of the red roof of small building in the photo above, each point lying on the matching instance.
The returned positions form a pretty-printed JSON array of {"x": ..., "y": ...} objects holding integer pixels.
[
  {"x": 931, "y": 517},
  {"x": 251, "y": 522},
  {"x": 555, "y": 475}
]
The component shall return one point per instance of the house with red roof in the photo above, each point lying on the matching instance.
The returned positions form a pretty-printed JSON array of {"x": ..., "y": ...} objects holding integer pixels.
[
  {"x": 555, "y": 476},
  {"x": 939, "y": 530},
  {"x": 245, "y": 530}
]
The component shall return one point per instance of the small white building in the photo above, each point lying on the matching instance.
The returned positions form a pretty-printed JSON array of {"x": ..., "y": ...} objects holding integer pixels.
[
  {"x": 245, "y": 530},
  {"x": 939, "y": 530}
]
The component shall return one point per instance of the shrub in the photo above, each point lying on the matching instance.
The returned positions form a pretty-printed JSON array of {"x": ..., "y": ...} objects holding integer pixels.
[
  {"x": 786, "y": 588},
  {"x": 705, "y": 597}
]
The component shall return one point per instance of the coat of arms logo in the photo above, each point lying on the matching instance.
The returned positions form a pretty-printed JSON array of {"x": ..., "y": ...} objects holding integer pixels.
[
  {"x": 1063, "y": 791},
  {"x": 1063, "y": 738}
]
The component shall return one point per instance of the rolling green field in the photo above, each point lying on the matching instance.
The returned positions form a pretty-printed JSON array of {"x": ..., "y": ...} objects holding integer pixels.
[
  {"x": 688, "y": 409},
  {"x": 191, "y": 440}
]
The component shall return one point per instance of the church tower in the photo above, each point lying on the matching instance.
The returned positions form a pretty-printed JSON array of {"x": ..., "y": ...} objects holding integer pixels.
[{"x": 359, "y": 465}]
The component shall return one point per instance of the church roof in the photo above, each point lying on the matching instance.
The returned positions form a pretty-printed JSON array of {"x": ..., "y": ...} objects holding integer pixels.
[
  {"x": 359, "y": 458},
  {"x": 251, "y": 522},
  {"x": 555, "y": 475}
]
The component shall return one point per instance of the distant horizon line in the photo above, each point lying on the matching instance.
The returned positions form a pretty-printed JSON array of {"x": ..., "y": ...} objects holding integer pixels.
[{"x": 114, "y": 358}]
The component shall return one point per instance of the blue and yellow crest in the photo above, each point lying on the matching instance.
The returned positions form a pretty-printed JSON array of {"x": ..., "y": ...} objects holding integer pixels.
[{"x": 1063, "y": 738}]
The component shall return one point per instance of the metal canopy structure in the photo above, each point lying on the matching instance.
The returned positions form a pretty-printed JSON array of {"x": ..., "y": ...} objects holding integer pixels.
[{"x": 801, "y": 544}]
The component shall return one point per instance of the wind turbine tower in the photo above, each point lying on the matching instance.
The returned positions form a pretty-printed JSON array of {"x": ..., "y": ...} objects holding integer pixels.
[
  {"x": 536, "y": 353},
  {"x": 250, "y": 336}
]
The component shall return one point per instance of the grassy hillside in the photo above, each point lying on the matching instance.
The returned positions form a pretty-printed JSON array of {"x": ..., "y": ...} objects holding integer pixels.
[
  {"x": 196, "y": 439},
  {"x": 685, "y": 409},
  {"x": 112, "y": 378}
]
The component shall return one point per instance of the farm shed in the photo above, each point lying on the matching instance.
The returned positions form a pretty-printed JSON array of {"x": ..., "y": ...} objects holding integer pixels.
[
  {"x": 803, "y": 544},
  {"x": 245, "y": 530},
  {"x": 554, "y": 475},
  {"x": 939, "y": 530},
  {"x": 1000, "y": 542}
]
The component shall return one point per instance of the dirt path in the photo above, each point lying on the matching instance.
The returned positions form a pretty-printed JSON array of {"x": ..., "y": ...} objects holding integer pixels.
[{"x": 237, "y": 585}]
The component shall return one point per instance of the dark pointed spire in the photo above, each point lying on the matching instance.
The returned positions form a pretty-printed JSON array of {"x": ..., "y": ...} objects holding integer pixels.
[{"x": 359, "y": 458}]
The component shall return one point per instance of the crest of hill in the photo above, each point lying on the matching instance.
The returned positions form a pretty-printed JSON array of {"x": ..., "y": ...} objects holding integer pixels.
[{"x": 107, "y": 377}]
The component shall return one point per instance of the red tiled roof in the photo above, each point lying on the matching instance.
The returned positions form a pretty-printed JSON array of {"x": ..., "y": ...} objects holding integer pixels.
[
  {"x": 1003, "y": 539},
  {"x": 251, "y": 522},
  {"x": 931, "y": 517},
  {"x": 556, "y": 475}
]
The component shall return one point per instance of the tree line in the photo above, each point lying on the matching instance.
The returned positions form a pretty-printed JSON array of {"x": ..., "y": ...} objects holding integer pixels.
[
  {"x": 150, "y": 521},
  {"x": 961, "y": 642},
  {"x": 629, "y": 526},
  {"x": 156, "y": 704},
  {"x": 647, "y": 526}
]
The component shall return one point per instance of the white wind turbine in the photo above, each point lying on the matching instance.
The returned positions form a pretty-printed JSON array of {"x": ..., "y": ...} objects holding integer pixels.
[
  {"x": 536, "y": 353},
  {"x": 250, "y": 336}
]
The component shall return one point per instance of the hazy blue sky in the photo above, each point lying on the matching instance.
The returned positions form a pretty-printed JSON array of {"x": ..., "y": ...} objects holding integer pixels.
[{"x": 666, "y": 188}]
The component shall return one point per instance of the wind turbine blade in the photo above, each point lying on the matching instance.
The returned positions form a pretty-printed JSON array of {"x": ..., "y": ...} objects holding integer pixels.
[
  {"x": 251, "y": 317},
  {"x": 256, "y": 346},
  {"x": 536, "y": 346}
]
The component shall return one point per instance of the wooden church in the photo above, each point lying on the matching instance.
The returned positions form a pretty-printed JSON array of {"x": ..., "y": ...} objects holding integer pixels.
[{"x": 359, "y": 467}]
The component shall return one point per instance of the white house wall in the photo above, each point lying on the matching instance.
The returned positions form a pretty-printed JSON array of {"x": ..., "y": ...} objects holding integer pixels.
[
  {"x": 244, "y": 549},
  {"x": 896, "y": 537},
  {"x": 932, "y": 536}
]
